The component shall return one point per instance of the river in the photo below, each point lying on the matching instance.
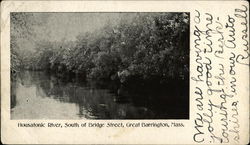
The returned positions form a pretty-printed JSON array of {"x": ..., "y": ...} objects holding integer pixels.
[{"x": 40, "y": 95}]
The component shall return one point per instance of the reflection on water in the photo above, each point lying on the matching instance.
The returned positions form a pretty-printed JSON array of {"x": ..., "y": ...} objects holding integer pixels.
[{"x": 39, "y": 95}]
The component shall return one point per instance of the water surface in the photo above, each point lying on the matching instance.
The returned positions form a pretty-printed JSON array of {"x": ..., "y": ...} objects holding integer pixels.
[{"x": 40, "y": 95}]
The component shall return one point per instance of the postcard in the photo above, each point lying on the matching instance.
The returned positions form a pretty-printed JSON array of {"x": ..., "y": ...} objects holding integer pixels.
[{"x": 125, "y": 72}]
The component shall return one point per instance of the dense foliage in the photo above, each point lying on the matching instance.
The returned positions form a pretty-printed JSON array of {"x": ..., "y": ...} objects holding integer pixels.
[{"x": 150, "y": 46}]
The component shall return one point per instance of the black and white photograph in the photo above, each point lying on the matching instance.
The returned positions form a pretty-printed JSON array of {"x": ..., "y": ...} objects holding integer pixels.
[{"x": 99, "y": 65}]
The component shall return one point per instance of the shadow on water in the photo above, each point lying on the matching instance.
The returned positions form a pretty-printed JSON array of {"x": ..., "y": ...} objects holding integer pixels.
[{"x": 39, "y": 95}]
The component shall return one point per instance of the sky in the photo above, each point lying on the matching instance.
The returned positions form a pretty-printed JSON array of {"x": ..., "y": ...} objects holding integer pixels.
[
  {"x": 65, "y": 26},
  {"x": 59, "y": 26}
]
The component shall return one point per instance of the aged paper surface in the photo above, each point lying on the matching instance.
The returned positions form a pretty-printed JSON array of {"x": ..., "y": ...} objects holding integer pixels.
[{"x": 218, "y": 107}]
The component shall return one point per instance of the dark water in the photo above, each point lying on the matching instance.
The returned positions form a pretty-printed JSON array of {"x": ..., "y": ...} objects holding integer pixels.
[{"x": 39, "y": 95}]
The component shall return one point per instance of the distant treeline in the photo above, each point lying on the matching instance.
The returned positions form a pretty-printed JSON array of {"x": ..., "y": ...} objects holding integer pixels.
[{"x": 150, "y": 46}]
